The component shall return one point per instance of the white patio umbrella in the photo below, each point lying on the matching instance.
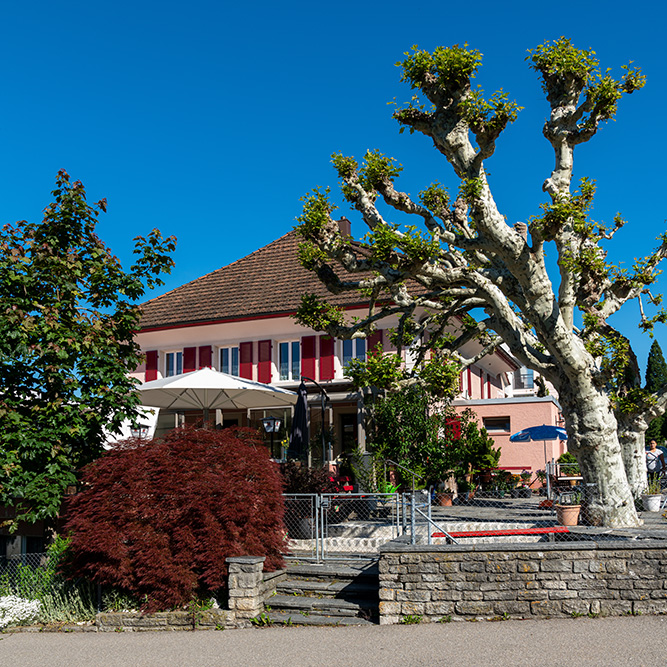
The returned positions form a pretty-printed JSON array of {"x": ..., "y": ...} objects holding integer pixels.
[{"x": 207, "y": 389}]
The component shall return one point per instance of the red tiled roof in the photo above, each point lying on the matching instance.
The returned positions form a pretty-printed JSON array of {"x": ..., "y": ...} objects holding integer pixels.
[{"x": 269, "y": 281}]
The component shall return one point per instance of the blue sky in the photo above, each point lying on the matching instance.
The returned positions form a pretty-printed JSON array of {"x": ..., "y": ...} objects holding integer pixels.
[{"x": 210, "y": 120}]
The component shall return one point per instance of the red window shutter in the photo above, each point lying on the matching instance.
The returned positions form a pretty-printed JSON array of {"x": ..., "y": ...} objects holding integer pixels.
[
  {"x": 461, "y": 381},
  {"x": 326, "y": 358},
  {"x": 481, "y": 384},
  {"x": 205, "y": 356},
  {"x": 189, "y": 359},
  {"x": 151, "y": 365},
  {"x": 264, "y": 361},
  {"x": 374, "y": 339},
  {"x": 453, "y": 428},
  {"x": 245, "y": 360},
  {"x": 469, "y": 382},
  {"x": 308, "y": 356}
]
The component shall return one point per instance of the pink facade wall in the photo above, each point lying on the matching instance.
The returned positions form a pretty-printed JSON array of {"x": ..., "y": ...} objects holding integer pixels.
[{"x": 522, "y": 413}]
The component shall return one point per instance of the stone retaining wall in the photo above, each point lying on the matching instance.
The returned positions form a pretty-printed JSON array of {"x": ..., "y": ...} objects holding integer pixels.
[
  {"x": 248, "y": 586},
  {"x": 442, "y": 583}
]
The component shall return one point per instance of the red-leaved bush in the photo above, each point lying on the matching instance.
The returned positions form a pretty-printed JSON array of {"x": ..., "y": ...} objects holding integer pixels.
[{"x": 157, "y": 519}]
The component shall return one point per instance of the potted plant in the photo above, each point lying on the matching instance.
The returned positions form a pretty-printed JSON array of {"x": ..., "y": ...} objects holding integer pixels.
[
  {"x": 502, "y": 483},
  {"x": 567, "y": 511},
  {"x": 652, "y": 498},
  {"x": 525, "y": 491},
  {"x": 445, "y": 498},
  {"x": 568, "y": 467}
]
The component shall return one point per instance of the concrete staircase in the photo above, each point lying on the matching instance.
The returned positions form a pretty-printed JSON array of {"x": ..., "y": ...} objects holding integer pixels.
[{"x": 332, "y": 593}]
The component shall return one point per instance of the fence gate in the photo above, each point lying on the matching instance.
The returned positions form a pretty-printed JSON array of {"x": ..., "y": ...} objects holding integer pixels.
[{"x": 329, "y": 526}]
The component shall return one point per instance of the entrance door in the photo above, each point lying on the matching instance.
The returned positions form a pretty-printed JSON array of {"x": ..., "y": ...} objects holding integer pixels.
[{"x": 349, "y": 441}]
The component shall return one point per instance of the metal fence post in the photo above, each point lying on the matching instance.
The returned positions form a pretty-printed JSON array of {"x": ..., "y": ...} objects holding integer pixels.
[
  {"x": 428, "y": 525},
  {"x": 404, "y": 525},
  {"x": 317, "y": 502},
  {"x": 413, "y": 539}
]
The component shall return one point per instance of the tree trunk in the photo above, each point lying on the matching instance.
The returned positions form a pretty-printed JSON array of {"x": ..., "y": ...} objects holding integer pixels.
[
  {"x": 634, "y": 458},
  {"x": 593, "y": 439}
]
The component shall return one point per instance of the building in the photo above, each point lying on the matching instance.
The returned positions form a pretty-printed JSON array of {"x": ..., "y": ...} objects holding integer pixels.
[{"x": 238, "y": 320}]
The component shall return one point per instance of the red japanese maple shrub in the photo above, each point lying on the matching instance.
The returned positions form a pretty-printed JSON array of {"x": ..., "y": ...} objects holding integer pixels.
[{"x": 157, "y": 519}]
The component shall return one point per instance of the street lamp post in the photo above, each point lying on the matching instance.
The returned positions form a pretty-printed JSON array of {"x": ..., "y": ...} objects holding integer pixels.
[
  {"x": 272, "y": 425},
  {"x": 139, "y": 431}
]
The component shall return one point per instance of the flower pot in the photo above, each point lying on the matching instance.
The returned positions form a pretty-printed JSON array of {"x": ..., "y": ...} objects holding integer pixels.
[
  {"x": 568, "y": 515},
  {"x": 445, "y": 499},
  {"x": 652, "y": 502}
]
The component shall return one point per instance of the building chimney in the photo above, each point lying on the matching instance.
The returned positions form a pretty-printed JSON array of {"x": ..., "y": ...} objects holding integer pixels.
[
  {"x": 345, "y": 226},
  {"x": 521, "y": 228}
]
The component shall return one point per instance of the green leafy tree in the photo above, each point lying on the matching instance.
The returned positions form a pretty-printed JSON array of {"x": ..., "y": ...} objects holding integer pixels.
[
  {"x": 656, "y": 369},
  {"x": 656, "y": 381},
  {"x": 462, "y": 257},
  {"x": 68, "y": 316},
  {"x": 419, "y": 431}
]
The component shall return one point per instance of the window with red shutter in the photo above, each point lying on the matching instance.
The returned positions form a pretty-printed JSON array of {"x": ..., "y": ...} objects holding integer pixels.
[
  {"x": 308, "y": 356},
  {"x": 264, "y": 361},
  {"x": 453, "y": 428},
  {"x": 189, "y": 359},
  {"x": 374, "y": 339},
  {"x": 245, "y": 360},
  {"x": 326, "y": 358},
  {"x": 151, "y": 365},
  {"x": 205, "y": 356}
]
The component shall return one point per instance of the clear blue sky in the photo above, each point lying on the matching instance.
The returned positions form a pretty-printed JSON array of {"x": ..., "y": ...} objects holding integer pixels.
[{"x": 209, "y": 120}]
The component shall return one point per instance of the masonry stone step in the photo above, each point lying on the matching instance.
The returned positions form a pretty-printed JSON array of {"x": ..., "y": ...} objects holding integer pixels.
[
  {"x": 334, "y": 588},
  {"x": 333, "y": 570},
  {"x": 339, "y": 592},
  {"x": 309, "y": 604},
  {"x": 290, "y": 618}
]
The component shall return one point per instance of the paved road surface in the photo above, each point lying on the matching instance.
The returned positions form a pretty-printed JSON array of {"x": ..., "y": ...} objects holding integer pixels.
[{"x": 574, "y": 642}]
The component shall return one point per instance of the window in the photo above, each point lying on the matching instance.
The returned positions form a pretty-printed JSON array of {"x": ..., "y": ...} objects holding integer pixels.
[
  {"x": 497, "y": 424},
  {"x": 290, "y": 360},
  {"x": 353, "y": 349},
  {"x": 229, "y": 360},
  {"x": 523, "y": 379},
  {"x": 174, "y": 363}
]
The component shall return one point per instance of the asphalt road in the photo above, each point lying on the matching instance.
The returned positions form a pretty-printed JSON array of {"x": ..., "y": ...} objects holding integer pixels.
[{"x": 601, "y": 641}]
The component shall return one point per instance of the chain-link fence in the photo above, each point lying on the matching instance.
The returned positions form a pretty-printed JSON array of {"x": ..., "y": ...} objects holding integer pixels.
[
  {"x": 331, "y": 525},
  {"x": 562, "y": 511},
  {"x": 348, "y": 524}
]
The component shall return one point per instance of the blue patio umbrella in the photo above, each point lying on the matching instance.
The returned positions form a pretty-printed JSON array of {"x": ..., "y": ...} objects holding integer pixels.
[{"x": 543, "y": 432}]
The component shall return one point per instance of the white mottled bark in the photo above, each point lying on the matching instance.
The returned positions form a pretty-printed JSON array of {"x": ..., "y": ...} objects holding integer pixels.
[{"x": 593, "y": 439}]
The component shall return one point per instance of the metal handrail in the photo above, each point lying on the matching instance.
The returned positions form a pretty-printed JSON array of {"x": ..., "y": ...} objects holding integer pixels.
[
  {"x": 433, "y": 523},
  {"x": 412, "y": 472}
]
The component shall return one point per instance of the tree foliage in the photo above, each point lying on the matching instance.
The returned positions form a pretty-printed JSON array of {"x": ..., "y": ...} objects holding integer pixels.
[
  {"x": 461, "y": 258},
  {"x": 656, "y": 369},
  {"x": 157, "y": 519},
  {"x": 68, "y": 318},
  {"x": 417, "y": 431},
  {"x": 656, "y": 381}
]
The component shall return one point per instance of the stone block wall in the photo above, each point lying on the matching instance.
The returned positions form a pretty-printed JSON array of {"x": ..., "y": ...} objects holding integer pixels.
[
  {"x": 248, "y": 588},
  {"x": 442, "y": 583}
]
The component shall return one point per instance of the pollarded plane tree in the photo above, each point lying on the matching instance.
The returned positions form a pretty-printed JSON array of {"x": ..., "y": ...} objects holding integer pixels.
[{"x": 462, "y": 257}]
